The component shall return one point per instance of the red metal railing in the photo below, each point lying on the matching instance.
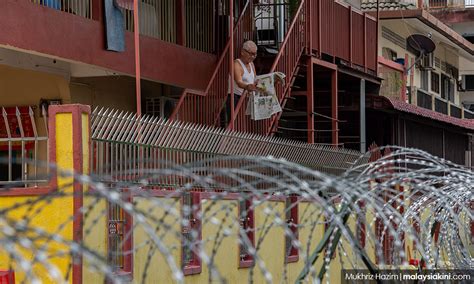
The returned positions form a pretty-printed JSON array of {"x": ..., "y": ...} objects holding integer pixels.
[
  {"x": 81, "y": 8},
  {"x": 445, "y": 4},
  {"x": 342, "y": 32},
  {"x": 286, "y": 62},
  {"x": 205, "y": 106},
  {"x": 357, "y": 49}
]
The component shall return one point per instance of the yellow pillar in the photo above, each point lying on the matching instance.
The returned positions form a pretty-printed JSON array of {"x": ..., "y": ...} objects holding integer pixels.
[
  {"x": 40, "y": 208},
  {"x": 69, "y": 131}
]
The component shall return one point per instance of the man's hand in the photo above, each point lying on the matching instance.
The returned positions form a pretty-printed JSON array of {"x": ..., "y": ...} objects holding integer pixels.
[{"x": 251, "y": 87}]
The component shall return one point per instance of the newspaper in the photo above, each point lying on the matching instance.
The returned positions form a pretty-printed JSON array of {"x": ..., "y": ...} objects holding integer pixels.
[{"x": 264, "y": 103}]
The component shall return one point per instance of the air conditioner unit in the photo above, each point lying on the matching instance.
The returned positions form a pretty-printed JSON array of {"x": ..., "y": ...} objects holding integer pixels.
[{"x": 427, "y": 62}]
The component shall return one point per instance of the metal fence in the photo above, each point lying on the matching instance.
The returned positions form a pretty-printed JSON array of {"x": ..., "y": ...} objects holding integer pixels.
[
  {"x": 442, "y": 4},
  {"x": 23, "y": 150},
  {"x": 157, "y": 19},
  {"x": 124, "y": 147},
  {"x": 81, "y": 8}
]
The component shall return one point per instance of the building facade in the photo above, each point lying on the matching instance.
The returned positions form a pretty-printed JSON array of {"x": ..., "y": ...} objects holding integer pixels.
[
  {"x": 425, "y": 96},
  {"x": 344, "y": 87}
]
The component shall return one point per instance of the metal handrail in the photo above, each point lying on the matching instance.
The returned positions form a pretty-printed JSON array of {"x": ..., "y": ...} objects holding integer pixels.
[
  {"x": 443, "y": 4},
  {"x": 265, "y": 126},
  {"x": 226, "y": 49},
  {"x": 221, "y": 67},
  {"x": 81, "y": 8}
]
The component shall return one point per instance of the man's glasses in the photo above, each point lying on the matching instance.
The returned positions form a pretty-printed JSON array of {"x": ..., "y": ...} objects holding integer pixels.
[{"x": 253, "y": 54}]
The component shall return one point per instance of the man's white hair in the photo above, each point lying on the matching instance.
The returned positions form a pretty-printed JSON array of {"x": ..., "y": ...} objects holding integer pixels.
[{"x": 249, "y": 45}]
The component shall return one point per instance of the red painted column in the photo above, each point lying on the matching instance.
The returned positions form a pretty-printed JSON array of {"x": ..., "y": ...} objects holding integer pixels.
[
  {"x": 231, "y": 63},
  {"x": 136, "y": 34},
  {"x": 412, "y": 78},
  {"x": 365, "y": 42},
  {"x": 310, "y": 100},
  {"x": 309, "y": 28},
  {"x": 97, "y": 12},
  {"x": 350, "y": 34},
  {"x": 180, "y": 23},
  {"x": 319, "y": 28},
  {"x": 420, "y": 4},
  {"x": 377, "y": 38},
  {"x": 334, "y": 110}
]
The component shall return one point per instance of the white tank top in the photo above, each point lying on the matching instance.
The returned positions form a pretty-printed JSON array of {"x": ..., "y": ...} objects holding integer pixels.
[{"x": 247, "y": 78}]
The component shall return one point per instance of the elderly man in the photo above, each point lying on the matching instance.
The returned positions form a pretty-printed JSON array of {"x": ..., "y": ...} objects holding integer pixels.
[{"x": 244, "y": 75}]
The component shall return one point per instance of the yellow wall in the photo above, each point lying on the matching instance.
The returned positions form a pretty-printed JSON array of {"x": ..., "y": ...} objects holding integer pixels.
[
  {"x": 226, "y": 256},
  {"x": 158, "y": 270},
  {"x": 117, "y": 92},
  {"x": 309, "y": 237},
  {"x": 53, "y": 215},
  {"x": 49, "y": 217},
  {"x": 19, "y": 87},
  {"x": 95, "y": 222}
]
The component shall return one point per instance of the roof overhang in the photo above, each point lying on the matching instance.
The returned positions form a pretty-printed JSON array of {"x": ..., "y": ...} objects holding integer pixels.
[{"x": 385, "y": 103}]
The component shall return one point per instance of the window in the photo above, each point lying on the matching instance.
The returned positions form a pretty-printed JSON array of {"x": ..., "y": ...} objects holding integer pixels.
[
  {"x": 191, "y": 233},
  {"x": 424, "y": 79},
  {"x": 291, "y": 211},
  {"x": 447, "y": 88},
  {"x": 389, "y": 53},
  {"x": 247, "y": 225},
  {"x": 468, "y": 82},
  {"x": 161, "y": 107},
  {"x": 435, "y": 82}
]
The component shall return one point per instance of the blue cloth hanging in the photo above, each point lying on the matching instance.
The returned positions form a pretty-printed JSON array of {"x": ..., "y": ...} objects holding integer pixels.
[
  {"x": 55, "y": 4},
  {"x": 114, "y": 27}
]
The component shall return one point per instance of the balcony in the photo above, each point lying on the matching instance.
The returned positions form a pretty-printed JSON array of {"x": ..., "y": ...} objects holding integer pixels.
[
  {"x": 73, "y": 30},
  {"x": 394, "y": 86},
  {"x": 432, "y": 102},
  {"x": 344, "y": 33},
  {"x": 82, "y": 8},
  {"x": 448, "y": 4}
]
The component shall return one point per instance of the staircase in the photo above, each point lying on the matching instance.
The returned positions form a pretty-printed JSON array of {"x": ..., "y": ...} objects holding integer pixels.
[
  {"x": 319, "y": 37},
  {"x": 205, "y": 106},
  {"x": 290, "y": 61}
]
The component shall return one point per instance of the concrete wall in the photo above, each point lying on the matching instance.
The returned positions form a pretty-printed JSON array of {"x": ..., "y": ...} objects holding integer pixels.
[
  {"x": 52, "y": 217},
  {"x": 149, "y": 261},
  {"x": 116, "y": 92},
  {"x": 443, "y": 52},
  {"x": 19, "y": 87}
]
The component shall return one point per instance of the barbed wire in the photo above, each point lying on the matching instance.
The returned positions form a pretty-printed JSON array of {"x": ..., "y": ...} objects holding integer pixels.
[{"x": 407, "y": 205}]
